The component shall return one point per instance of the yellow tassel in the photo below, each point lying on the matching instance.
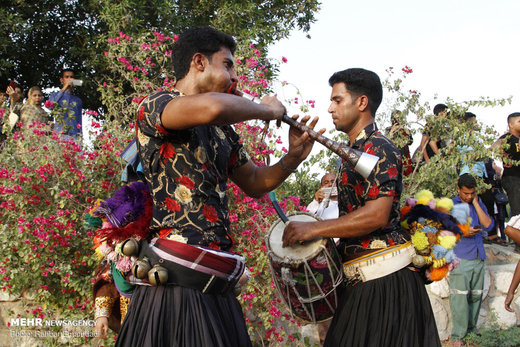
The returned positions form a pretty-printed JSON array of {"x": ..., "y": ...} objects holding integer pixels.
[{"x": 437, "y": 263}]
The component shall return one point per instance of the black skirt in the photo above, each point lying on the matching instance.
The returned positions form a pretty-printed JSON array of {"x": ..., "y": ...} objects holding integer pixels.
[
  {"x": 390, "y": 311},
  {"x": 177, "y": 316}
]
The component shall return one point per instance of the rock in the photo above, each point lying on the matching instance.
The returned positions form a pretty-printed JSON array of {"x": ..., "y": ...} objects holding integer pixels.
[
  {"x": 441, "y": 311},
  {"x": 504, "y": 318},
  {"x": 503, "y": 280},
  {"x": 482, "y": 317},
  {"x": 440, "y": 288},
  {"x": 5, "y": 296},
  {"x": 311, "y": 331},
  {"x": 487, "y": 283}
]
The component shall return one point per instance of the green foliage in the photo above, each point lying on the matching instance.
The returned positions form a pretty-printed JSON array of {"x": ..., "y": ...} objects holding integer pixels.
[
  {"x": 464, "y": 142},
  {"x": 39, "y": 38},
  {"x": 493, "y": 335}
]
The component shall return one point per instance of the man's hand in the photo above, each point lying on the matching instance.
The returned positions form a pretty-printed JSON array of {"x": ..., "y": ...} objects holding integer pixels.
[
  {"x": 300, "y": 143},
  {"x": 67, "y": 84},
  {"x": 297, "y": 232},
  {"x": 276, "y": 106},
  {"x": 319, "y": 195},
  {"x": 101, "y": 327},
  {"x": 474, "y": 231},
  {"x": 507, "y": 302}
]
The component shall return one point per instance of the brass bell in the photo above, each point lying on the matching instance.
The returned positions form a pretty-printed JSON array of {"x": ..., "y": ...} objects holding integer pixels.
[
  {"x": 158, "y": 275},
  {"x": 141, "y": 268},
  {"x": 130, "y": 247},
  {"x": 418, "y": 261}
]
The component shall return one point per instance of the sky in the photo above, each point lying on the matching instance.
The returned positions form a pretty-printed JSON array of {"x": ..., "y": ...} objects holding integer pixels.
[{"x": 459, "y": 49}]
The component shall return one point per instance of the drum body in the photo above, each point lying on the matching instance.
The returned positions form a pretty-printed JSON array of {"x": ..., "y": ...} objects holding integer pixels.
[{"x": 307, "y": 275}]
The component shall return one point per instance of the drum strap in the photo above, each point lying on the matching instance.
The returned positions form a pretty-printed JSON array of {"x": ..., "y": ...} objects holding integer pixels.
[{"x": 379, "y": 263}]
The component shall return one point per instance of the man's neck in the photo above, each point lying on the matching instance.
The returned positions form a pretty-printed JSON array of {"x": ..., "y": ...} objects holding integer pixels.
[
  {"x": 515, "y": 133},
  {"x": 358, "y": 128}
]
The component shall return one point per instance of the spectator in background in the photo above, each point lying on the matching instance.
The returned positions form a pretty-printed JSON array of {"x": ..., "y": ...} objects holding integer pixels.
[
  {"x": 402, "y": 137},
  {"x": 73, "y": 106},
  {"x": 511, "y": 173},
  {"x": 325, "y": 193},
  {"x": 15, "y": 102},
  {"x": 431, "y": 146},
  {"x": 467, "y": 280},
  {"x": 32, "y": 111}
]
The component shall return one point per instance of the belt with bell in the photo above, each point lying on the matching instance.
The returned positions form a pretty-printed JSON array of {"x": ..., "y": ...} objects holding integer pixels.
[{"x": 154, "y": 266}]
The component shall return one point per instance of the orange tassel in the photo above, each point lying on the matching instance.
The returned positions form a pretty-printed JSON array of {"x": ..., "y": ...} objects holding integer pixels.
[
  {"x": 439, "y": 274},
  {"x": 405, "y": 210},
  {"x": 464, "y": 228}
]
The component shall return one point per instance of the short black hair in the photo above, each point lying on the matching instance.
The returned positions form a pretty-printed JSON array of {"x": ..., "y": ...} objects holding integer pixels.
[
  {"x": 466, "y": 180},
  {"x": 361, "y": 82},
  {"x": 65, "y": 70},
  {"x": 468, "y": 115},
  {"x": 205, "y": 40},
  {"x": 511, "y": 116},
  {"x": 439, "y": 108}
]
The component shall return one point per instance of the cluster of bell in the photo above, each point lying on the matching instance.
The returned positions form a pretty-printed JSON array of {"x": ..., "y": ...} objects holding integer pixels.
[{"x": 142, "y": 268}]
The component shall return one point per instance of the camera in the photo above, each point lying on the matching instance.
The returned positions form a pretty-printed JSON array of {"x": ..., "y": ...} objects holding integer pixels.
[
  {"x": 77, "y": 83},
  {"x": 330, "y": 191}
]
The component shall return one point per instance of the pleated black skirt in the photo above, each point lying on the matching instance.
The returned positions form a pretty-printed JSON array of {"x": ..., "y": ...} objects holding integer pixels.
[
  {"x": 390, "y": 311},
  {"x": 177, "y": 316}
]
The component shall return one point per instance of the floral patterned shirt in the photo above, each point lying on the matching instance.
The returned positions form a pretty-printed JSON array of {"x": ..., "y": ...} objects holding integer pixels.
[
  {"x": 386, "y": 180},
  {"x": 187, "y": 172}
]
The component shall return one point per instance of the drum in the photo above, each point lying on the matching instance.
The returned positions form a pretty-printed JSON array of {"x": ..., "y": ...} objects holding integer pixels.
[{"x": 306, "y": 275}]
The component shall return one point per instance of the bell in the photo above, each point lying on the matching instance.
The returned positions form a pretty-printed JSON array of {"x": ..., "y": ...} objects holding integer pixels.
[
  {"x": 158, "y": 275},
  {"x": 418, "y": 261},
  {"x": 141, "y": 268},
  {"x": 425, "y": 251},
  {"x": 130, "y": 247}
]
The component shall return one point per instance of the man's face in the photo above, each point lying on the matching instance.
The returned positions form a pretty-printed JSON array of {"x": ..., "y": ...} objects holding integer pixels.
[
  {"x": 328, "y": 180},
  {"x": 514, "y": 125},
  {"x": 343, "y": 108},
  {"x": 219, "y": 72},
  {"x": 466, "y": 194},
  {"x": 67, "y": 76}
]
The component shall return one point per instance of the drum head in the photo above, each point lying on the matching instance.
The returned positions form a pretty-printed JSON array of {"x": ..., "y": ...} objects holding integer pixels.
[{"x": 297, "y": 253}]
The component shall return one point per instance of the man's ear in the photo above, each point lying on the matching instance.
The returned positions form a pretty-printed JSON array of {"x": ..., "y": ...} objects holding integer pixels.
[
  {"x": 362, "y": 103},
  {"x": 199, "y": 61}
]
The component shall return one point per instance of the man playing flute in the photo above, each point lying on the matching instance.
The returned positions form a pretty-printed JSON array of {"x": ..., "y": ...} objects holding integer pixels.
[{"x": 188, "y": 151}]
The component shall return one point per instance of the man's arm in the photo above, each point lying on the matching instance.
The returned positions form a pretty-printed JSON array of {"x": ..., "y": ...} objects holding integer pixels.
[
  {"x": 217, "y": 109},
  {"x": 363, "y": 221},
  {"x": 422, "y": 146},
  {"x": 256, "y": 181},
  {"x": 512, "y": 288},
  {"x": 433, "y": 145},
  {"x": 482, "y": 214}
]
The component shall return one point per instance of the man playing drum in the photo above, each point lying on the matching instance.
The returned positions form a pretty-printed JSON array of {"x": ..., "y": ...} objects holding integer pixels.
[
  {"x": 384, "y": 302},
  {"x": 188, "y": 151}
]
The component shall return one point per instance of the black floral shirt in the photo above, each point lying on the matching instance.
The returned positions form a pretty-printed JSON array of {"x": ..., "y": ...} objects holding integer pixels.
[
  {"x": 386, "y": 180},
  {"x": 187, "y": 172}
]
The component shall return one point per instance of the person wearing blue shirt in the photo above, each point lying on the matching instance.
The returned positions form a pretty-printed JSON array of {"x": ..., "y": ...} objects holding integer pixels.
[
  {"x": 467, "y": 280},
  {"x": 72, "y": 105}
]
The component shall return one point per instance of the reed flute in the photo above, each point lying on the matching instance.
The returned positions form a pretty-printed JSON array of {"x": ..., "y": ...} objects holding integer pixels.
[{"x": 362, "y": 162}]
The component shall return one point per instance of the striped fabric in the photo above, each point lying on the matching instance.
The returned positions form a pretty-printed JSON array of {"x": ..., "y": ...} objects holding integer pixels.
[{"x": 220, "y": 264}]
